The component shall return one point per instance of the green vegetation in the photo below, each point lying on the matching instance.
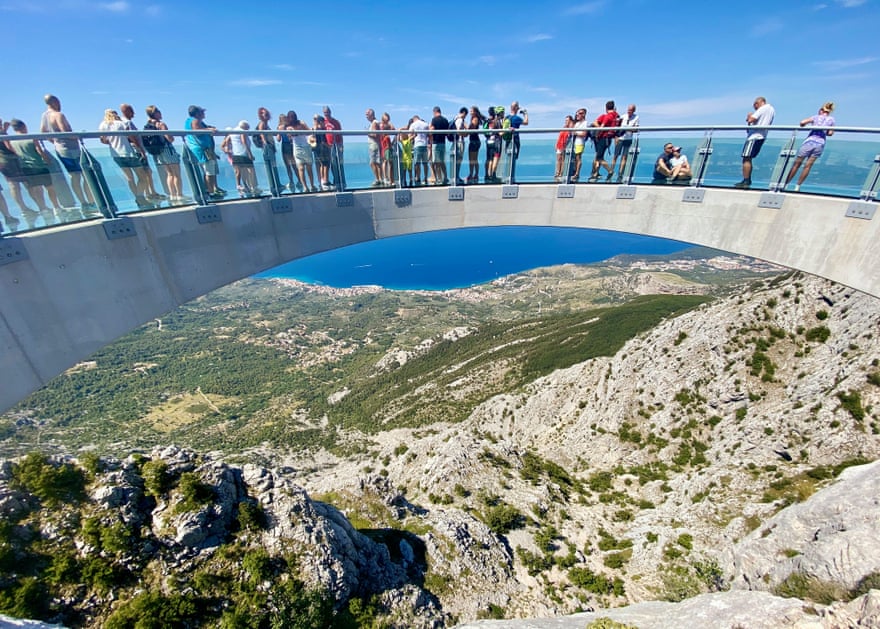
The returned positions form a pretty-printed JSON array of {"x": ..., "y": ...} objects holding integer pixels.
[
  {"x": 503, "y": 518},
  {"x": 818, "y": 334},
  {"x": 599, "y": 584},
  {"x": 244, "y": 357},
  {"x": 52, "y": 483},
  {"x": 607, "y": 623},
  {"x": 799, "y": 585},
  {"x": 194, "y": 492},
  {"x": 93, "y": 558},
  {"x": 535, "y": 469},
  {"x": 851, "y": 401},
  {"x": 681, "y": 581}
]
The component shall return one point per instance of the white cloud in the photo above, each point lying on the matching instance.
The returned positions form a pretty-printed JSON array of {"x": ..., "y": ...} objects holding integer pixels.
[
  {"x": 834, "y": 65},
  {"x": 153, "y": 10},
  {"x": 850, "y": 4},
  {"x": 23, "y": 7},
  {"x": 768, "y": 26},
  {"x": 702, "y": 107},
  {"x": 532, "y": 39},
  {"x": 282, "y": 66},
  {"x": 254, "y": 82},
  {"x": 115, "y": 7},
  {"x": 584, "y": 8},
  {"x": 488, "y": 60}
]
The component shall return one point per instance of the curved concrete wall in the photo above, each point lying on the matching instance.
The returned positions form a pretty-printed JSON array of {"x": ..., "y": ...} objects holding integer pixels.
[{"x": 67, "y": 292}]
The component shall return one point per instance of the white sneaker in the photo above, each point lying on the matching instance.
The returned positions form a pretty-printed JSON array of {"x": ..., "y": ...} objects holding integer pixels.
[{"x": 797, "y": 188}]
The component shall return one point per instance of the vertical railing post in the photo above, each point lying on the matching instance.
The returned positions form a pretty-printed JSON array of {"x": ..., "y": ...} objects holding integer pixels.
[
  {"x": 511, "y": 152},
  {"x": 271, "y": 167},
  {"x": 569, "y": 156},
  {"x": 335, "y": 166},
  {"x": 783, "y": 164},
  {"x": 632, "y": 157},
  {"x": 194, "y": 174},
  {"x": 872, "y": 182},
  {"x": 398, "y": 165},
  {"x": 96, "y": 182},
  {"x": 455, "y": 164},
  {"x": 702, "y": 161}
]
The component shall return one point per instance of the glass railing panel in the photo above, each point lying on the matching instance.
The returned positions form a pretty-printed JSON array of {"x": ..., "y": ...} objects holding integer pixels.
[{"x": 57, "y": 192}]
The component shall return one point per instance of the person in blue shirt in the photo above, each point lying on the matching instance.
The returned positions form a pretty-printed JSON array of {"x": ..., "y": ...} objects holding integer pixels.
[
  {"x": 202, "y": 146},
  {"x": 514, "y": 120}
]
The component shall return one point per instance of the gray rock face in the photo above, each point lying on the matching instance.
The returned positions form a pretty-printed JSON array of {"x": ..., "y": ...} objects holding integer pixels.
[
  {"x": 755, "y": 610},
  {"x": 332, "y": 551},
  {"x": 833, "y": 537}
]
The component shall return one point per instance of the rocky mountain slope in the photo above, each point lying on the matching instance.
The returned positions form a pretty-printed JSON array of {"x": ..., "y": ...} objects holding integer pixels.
[
  {"x": 641, "y": 466},
  {"x": 678, "y": 466}
]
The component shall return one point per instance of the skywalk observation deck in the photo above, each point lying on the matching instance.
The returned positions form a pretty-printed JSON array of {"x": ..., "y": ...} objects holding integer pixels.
[{"x": 73, "y": 280}]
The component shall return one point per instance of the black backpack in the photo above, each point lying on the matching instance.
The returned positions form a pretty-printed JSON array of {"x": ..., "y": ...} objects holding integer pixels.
[{"x": 153, "y": 144}]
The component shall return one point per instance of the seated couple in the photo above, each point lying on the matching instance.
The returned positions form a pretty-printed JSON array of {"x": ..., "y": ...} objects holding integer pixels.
[{"x": 672, "y": 166}]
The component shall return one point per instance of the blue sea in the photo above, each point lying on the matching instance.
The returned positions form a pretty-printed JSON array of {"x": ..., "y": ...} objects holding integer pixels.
[{"x": 464, "y": 257}]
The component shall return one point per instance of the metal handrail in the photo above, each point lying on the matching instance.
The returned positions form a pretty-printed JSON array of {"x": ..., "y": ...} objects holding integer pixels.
[{"x": 75, "y": 135}]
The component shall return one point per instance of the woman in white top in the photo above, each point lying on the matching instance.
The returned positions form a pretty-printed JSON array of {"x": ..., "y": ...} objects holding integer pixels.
[
  {"x": 238, "y": 147},
  {"x": 681, "y": 169},
  {"x": 302, "y": 152},
  {"x": 129, "y": 160}
]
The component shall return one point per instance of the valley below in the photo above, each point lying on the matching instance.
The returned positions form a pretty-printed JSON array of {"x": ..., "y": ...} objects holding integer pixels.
[{"x": 652, "y": 441}]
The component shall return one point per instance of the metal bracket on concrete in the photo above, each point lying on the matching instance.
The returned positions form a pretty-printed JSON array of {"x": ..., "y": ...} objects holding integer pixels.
[
  {"x": 456, "y": 194},
  {"x": 208, "y": 214},
  {"x": 861, "y": 209},
  {"x": 693, "y": 195},
  {"x": 626, "y": 192},
  {"x": 510, "y": 192},
  {"x": 344, "y": 199},
  {"x": 12, "y": 250},
  {"x": 771, "y": 200},
  {"x": 565, "y": 191},
  {"x": 116, "y": 228},
  {"x": 281, "y": 205},
  {"x": 402, "y": 198}
]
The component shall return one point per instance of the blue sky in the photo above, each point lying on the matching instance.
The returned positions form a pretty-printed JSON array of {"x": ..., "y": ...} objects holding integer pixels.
[{"x": 681, "y": 63}]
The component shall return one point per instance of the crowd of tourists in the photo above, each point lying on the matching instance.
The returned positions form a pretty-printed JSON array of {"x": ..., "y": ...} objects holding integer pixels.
[{"x": 414, "y": 154}]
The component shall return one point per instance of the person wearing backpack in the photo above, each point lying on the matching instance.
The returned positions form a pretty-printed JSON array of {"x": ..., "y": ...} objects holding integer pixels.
[
  {"x": 605, "y": 133},
  {"x": 127, "y": 112},
  {"x": 164, "y": 155}
]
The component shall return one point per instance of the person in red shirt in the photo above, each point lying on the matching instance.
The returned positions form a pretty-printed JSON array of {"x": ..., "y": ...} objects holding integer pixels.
[
  {"x": 334, "y": 141},
  {"x": 604, "y": 138},
  {"x": 562, "y": 146}
]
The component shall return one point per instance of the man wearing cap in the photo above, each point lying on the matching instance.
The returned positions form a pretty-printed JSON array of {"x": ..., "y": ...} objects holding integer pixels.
[{"x": 202, "y": 146}]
